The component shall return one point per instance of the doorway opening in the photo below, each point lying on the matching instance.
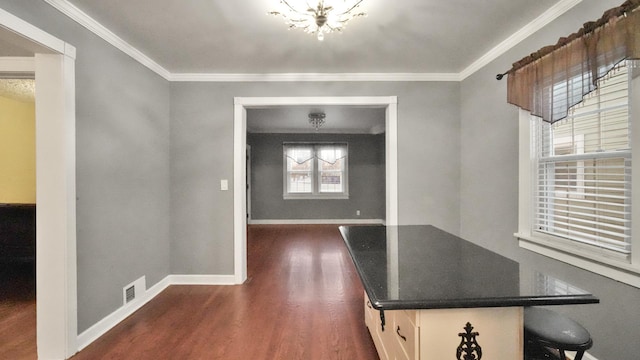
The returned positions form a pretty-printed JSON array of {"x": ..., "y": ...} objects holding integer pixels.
[
  {"x": 53, "y": 63},
  {"x": 17, "y": 215},
  {"x": 241, "y": 104}
]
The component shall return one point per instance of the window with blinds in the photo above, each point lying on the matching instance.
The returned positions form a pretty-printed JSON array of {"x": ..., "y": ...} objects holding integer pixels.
[
  {"x": 315, "y": 170},
  {"x": 583, "y": 168}
]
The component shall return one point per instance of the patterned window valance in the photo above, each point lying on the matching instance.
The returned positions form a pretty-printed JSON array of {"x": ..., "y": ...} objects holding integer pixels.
[
  {"x": 329, "y": 153},
  {"x": 554, "y": 78}
]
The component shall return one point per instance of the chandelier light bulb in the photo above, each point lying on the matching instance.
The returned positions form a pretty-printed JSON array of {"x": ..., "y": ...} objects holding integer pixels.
[{"x": 327, "y": 17}]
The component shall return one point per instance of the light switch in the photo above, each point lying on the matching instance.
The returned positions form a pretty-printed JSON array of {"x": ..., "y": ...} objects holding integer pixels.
[{"x": 224, "y": 185}]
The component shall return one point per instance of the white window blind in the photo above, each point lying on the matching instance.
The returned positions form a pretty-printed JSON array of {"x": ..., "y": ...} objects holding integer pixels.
[
  {"x": 331, "y": 165},
  {"x": 299, "y": 160},
  {"x": 583, "y": 168},
  {"x": 315, "y": 170}
]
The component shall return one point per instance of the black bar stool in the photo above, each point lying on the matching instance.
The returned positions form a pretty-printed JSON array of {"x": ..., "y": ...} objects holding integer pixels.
[{"x": 544, "y": 329}]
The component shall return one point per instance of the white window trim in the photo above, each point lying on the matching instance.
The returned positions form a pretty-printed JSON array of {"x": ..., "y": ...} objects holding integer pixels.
[
  {"x": 316, "y": 195},
  {"x": 583, "y": 256}
]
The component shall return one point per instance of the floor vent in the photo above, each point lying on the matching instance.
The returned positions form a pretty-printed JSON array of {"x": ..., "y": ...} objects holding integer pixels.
[
  {"x": 129, "y": 294},
  {"x": 134, "y": 290}
]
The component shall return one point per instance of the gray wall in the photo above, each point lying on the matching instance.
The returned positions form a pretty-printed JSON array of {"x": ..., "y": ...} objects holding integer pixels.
[
  {"x": 489, "y": 191},
  {"x": 202, "y": 154},
  {"x": 457, "y": 170},
  {"x": 366, "y": 174},
  {"x": 122, "y": 151}
]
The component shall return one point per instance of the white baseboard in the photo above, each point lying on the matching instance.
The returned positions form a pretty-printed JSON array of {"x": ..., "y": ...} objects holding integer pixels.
[
  {"x": 113, "y": 319},
  {"x": 316, "y": 222},
  {"x": 101, "y": 327},
  {"x": 586, "y": 356},
  {"x": 202, "y": 279},
  {"x": 107, "y": 323}
]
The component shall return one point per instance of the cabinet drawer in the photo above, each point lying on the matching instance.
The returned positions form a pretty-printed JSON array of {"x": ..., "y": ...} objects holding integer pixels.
[
  {"x": 412, "y": 315},
  {"x": 387, "y": 336},
  {"x": 383, "y": 340},
  {"x": 406, "y": 334},
  {"x": 369, "y": 316},
  {"x": 369, "y": 311}
]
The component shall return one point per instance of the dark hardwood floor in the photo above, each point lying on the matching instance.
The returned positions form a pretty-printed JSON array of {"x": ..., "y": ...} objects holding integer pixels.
[
  {"x": 302, "y": 300},
  {"x": 17, "y": 311}
]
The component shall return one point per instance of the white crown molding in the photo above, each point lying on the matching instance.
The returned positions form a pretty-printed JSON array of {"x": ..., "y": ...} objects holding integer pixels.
[
  {"x": 297, "y": 77},
  {"x": 94, "y": 26},
  {"x": 538, "y": 23}
]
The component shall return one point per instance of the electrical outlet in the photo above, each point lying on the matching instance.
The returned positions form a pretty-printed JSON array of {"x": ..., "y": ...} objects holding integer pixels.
[
  {"x": 224, "y": 185},
  {"x": 357, "y": 212}
]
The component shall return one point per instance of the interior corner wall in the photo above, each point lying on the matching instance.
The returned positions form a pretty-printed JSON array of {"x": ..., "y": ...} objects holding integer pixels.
[
  {"x": 202, "y": 155},
  {"x": 122, "y": 165},
  {"x": 17, "y": 152},
  {"x": 489, "y": 191},
  {"x": 366, "y": 174}
]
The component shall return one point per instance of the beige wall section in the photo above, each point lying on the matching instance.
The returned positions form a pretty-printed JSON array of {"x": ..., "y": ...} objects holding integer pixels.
[{"x": 17, "y": 152}]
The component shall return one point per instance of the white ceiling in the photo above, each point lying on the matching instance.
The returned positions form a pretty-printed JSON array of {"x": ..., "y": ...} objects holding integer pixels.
[
  {"x": 238, "y": 37},
  {"x": 295, "y": 119},
  {"x": 400, "y": 36},
  {"x": 22, "y": 90}
]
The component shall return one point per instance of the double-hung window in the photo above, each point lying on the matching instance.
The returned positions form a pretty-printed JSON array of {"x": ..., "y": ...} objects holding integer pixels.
[
  {"x": 576, "y": 180},
  {"x": 315, "y": 170}
]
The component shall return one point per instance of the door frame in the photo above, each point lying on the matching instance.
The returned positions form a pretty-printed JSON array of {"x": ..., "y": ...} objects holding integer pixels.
[
  {"x": 56, "y": 273},
  {"x": 241, "y": 104},
  {"x": 248, "y": 183}
]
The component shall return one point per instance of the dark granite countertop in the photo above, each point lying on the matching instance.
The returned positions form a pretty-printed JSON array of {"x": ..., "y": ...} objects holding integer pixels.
[{"x": 423, "y": 267}]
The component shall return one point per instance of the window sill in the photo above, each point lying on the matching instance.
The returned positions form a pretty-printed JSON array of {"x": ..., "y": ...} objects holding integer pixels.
[
  {"x": 574, "y": 255},
  {"x": 316, "y": 197}
]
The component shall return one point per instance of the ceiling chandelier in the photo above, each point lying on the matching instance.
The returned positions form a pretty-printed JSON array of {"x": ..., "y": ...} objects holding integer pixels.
[
  {"x": 327, "y": 17},
  {"x": 316, "y": 120}
]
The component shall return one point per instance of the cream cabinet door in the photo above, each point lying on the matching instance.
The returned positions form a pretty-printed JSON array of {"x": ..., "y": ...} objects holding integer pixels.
[
  {"x": 500, "y": 332},
  {"x": 407, "y": 335}
]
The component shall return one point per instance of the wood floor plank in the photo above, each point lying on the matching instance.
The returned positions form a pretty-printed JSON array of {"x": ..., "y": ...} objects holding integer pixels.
[
  {"x": 17, "y": 311},
  {"x": 302, "y": 300}
]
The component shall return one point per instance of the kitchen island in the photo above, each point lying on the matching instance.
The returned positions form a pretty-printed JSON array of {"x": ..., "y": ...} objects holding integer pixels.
[{"x": 431, "y": 295}]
